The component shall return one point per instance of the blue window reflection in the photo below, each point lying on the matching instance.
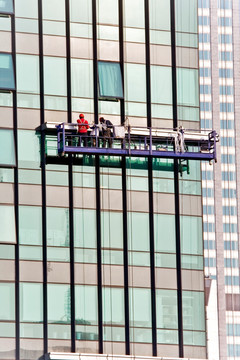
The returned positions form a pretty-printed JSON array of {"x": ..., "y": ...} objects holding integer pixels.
[
  {"x": 6, "y": 71},
  {"x": 6, "y": 6},
  {"x": 7, "y": 148},
  {"x": 110, "y": 80}
]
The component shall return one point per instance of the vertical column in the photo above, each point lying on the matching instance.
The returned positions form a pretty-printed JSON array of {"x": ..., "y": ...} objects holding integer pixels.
[
  {"x": 218, "y": 187},
  {"x": 43, "y": 167},
  {"x": 176, "y": 183}
]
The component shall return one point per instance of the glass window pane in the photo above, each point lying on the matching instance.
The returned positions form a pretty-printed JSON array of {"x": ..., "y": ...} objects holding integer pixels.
[
  {"x": 82, "y": 78},
  {"x": 108, "y": 12},
  {"x": 28, "y": 73},
  {"x": 59, "y": 308},
  {"x": 113, "y": 306},
  {"x": 161, "y": 84},
  {"x": 134, "y": 13},
  {"x": 6, "y": 6},
  {"x": 7, "y": 301},
  {"x": 166, "y": 306},
  {"x": 135, "y": 82},
  {"x": 55, "y": 76},
  {"x": 7, "y": 224},
  {"x": 140, "y": 307},
  {"x": 186, "y": 16},
  {"x": 138, "y": 231},
  {"x": 57, "y": 227},
  {"x": 26, "y": 8},
  {"x": 85, "y": 235},
  {"x": 54, "y": 9},
  {"x": 110, "y": 80},
  {"x": 31, "y": 302},
  {"x": 86, "y": 305},
  {"x": 110, "y": 222},
  {"x": 164, "y": 233},
  {"x": 193, "y": 310},
  {"x": 159, "y": 14},
  {"x": 7, "y": 148},
  {"x": 28, "y": 149},
  {"x": 187, "y": 87},
  {"x": 81, "y": 11},
  {"x": 30, "y": 225},
  {"x": 6, "y": 72},
  {"x": 191, "y": 235}
]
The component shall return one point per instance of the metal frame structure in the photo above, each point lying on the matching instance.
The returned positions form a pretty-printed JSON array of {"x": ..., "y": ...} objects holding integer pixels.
[{"x": 141, "y": 142}]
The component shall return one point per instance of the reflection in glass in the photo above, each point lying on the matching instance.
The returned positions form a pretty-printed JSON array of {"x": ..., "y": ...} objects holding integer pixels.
[
  {"x": 86, "y": 305},
  {"x": 6, "y": 6},
  {"x": 31, "y": 302},
  {"x": 7, "y": 148},
  {"x": 57, "y": 226},
  {"x": 6, "y": 72},
  {"x": 7, "y": 301},
  {"x": 7, "y": 224},
  {"x": 110, "y": 80}
]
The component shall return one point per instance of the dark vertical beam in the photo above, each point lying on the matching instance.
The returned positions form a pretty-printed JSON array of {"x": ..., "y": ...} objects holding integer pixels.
[
  {"x": 97, "y": 179},
  {"x": 16, "y": 197},
  {"x": 148, "y": 70},
  {"x": 150, "y": 183},
  {"x": 121, "y": 55},
  {"x": 95, "y": 60},
  {"x": 125, "y": 255},
  {"x": 70, "y": 179},
  {"x": 124, "y": 188},
  {"x": 176, "y": 183},
  {"x": 43, "y": 166},
  {"x": 152, "y": 257},
  {"x": 99, "y": 256}
]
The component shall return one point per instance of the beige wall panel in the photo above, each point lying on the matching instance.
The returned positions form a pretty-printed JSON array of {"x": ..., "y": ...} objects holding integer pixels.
[
  {"x": 195, "y": 352},
  {"x": 81, "y": 48},
  {"x": 137, "y": 201},
  {"x": 31, "y": 271},
  {"x": 111, "y": 200},
  {"x": 58, "y": 272},
  {"x": 7, "y": 270},
  {"x": 55, "y": 116},
  {"x": 27, "y": 43},
  {"x": 116, "y": 348},
  {"x": 135, "y": 53},
  {"x": 86, "y": 274},
  {"x": 30, "y": 195},
  {"x": 54, "y": 45},
  {"x": 84, "y": 198},
  {"x": 187, "y": 57},
  {"x": 90, "y": 347},
  {"x": 160, "y": 55},
  {"x": 6, "y": 193},
  {"x": 5, "y": 41},
  {"x": 139, "y": 276},
  {"x": 163, "y": 203},
  {"x": 191, "y": 205},
  {"x": 57, "y": 196},
  {"x": 168, "y": 350},
  {"x": 28, "y": 118},
  {"x": 166, "y": 278},
  {"x": 141, "y": 349},
  {"x": 108, "y": 50},
  {"x": 6, "y": 116},
  {"x": 112, "y": 275},
  {"x": 192, "y": 280}
]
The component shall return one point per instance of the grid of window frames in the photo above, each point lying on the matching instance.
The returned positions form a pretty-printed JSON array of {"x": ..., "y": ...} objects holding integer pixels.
[
  {"x": 108, "y": 255},
  {"x": 225, "y": 84}
]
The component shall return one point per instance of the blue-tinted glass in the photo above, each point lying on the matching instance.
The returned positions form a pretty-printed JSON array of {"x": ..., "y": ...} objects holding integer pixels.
[
  {"x": 6, "y": 6},
  {"x": 110, "y": 80},
  {"x": 7, "y": 148},
  {"x": 6, "y": 72}
]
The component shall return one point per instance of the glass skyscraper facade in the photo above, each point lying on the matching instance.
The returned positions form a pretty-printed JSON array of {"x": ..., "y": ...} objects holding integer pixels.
[
  {"x": 100, "y": 254},
  {"x": 219, "y": 90}
]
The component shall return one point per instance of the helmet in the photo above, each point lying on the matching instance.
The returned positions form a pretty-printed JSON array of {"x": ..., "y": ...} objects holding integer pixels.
[{"x": 81, "y": 116}]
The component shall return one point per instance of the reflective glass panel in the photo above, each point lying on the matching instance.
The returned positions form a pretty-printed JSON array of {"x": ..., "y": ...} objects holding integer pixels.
[
  {"x": 186, "y": 16},
  {"x": 28, "y": 73},
  {"x": 166, "y": 306},
  {"x": 159, "y": 14},
  {"x": 187, "y": 87},
  {"x": 110, "y": 222},
  {"x": 6, "y": 6},
  {"x": 57, "y": 226},
  {"x": 85, "y": 228},
  {"x": 86, "y": 305},
  {"x": 108, "y": 12},
  {"x": 59, "y": 308},
  {"x": 55, "y": 82},
  {"x": 7, "y": 224},
  {"x": 54, "y": 9},
  {"x": 164, "y": 233},
  {"x": 110, "y": 80},
  {"x": 28, "y": 149},
  {"x": 140, "y": 307},
  {"x": 26, "y": 8},
  {"x": 138, "y": 231},
  {"x": 30, "y": 225},
  {"x": 191, "y": 235},
  {"x": 81, "y": 11},
  {"x": 161, "y": 84},
  {"x": 82, "y": 78},
  {"x": 113, "y": 306},
  {"x": 7, "y": 148},
  {"x": 31, "y": 302},
  {"x": 6, "y": 72},
  {"x": 7, "y": 301},
  {"x": 193, "y": 310}
]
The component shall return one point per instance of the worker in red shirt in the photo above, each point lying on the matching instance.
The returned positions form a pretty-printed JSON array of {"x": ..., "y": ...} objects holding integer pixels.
[{"x": 82, "y": 129}]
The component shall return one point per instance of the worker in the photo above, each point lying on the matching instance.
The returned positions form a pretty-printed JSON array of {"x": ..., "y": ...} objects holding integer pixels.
[
  {"x": 82, "y": 129},
  {"x": 106, "y": 132}
]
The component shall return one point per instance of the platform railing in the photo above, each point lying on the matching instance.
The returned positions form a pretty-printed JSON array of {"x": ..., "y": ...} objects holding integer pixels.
[{"x": 139, "y": 141}]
